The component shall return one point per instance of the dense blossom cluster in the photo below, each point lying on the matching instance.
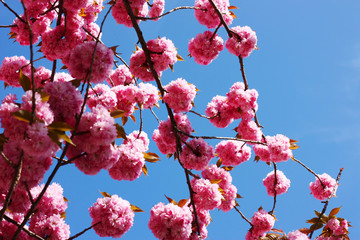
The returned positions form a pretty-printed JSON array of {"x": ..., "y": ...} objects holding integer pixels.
[
  {"x": 232, "y": 153},
  {"x": 81, "y": 61},
  {"x": 205, "y": 47},
  {"x": 276, "y": 150},
  {"x": 163, "y": 55},
  {"x": 113, "y": 216},
  {"x": 282, "y": 183},
  {"x": 243, "y": 41},
  {"x": 262, "y": 222},
  {"x": 165, "y": 137},
  {"x": 179, "y": 95},
  {"x": 324, "y": 189},
  {"x": 32, "y": 136},
  {"x": 196, "y": 154},
  {"x": 170, "y": 222},
  {"x": 206, "y": 14}
]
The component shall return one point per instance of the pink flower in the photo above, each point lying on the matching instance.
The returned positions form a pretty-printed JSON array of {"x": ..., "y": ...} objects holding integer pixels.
[
  {"x": 220, "y": 112},
  {"x": 179, "y": 95},
  {"x": 120, "y": 76},
  {"x": 262, "y": 222},
  {"x": 206, "y": 14},
  {"x": 101, "y": 94},
  {"x": 213, "y": 172},
  {"x": 10, "y": 70},
  {"x": 233, "y": 153},
  {"x": 243, "y": 46},
  {"x": 157, "y": 9},
  {"x": 170, "y": 222},
  {"x": 80, "y": 60},
  {"x": 165, "y": 137},
  {"x": 297, "y": 235},
  {"x": 207, "y": 195},
  {"x": 52, "y": 227},
  {"x": 282, "y": 184},
  {"x": 139, "y": 7},
  {"x": 205, "y": 47},
  {"x": 327, "y": 191},
  {"x": 113, "y": 216},
  {"x": 339, "y": 227},
  {"x": 196, "y": 154},
  {"x": 147, "y": 95},
  {"x": 243, "y": 100},
  {"x": 249, "y": 130},
  {"x": 277, "y": 149}
]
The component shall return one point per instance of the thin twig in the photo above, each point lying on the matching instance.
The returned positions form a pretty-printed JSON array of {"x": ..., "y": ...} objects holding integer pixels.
[
  {"x": 164, "y": 14},
  {"x": 242, "y": 215},
  {"x": 141, "y": 121},
  {"x": 14, "y": 182},
  {"x": 152, "y": 111},
  {"x": 243, "y": 72},
  {"x": 327, "y": 201},
  {"x": 8, "y": 160},
  {"x": 8, "y": 26},
  {"x": 275, "y": 192},
  {"x": 17, "y": 15},
  {"x": 83, "y": 231},
  {"x": 200, "y": 115},
  {"x": 162, "y": 90},
  {"x": 30, "y": 233},
  {"x": 307, "y": 168}
]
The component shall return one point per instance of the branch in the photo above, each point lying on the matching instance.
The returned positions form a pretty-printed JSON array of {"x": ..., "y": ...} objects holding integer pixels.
[
  {"x": 307, "y": 168},
  {"x": 7, "y": 26},
  {"x": 275, "y": 193},
  {"x": 83, "y": 231},
  {"x": 242, "y": 215},
  {"x": 243, "y": 72},
  {"x": 12, "y": 186},
  {"x": 327, "y": 202},
  {"x": 161, "y": 89},
  {"x": 164, "y": 14},
  {"x": 7, "y": 6},
  {"x": 30, "y": 233}
]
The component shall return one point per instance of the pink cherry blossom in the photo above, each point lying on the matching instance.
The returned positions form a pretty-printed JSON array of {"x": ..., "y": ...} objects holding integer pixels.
[
  {"x": 196, "y": 154},
  {"x": 320, "y": 192},
  {"x": 243, "y": 43},
  {"x": 170, "y": 222},
  {"x": 282, "y": 184},
  {"x": 112, "y": 215},
  {"x": 179, "y": 95},
  {"x": 205, "y": 47},
  {"x": 206, "y": 14},
  {"x": 10, "y": 70},
  {"x": 297, "y": 235},
  {"x": 157, "y": 9},
  {"x": 207, "y": 195},
  {"x": 233, "y": 153}
]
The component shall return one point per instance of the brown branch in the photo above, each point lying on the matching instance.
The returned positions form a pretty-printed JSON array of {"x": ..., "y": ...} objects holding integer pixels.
[
  {"x": 83, "y": 231},
  {"x": 307, "y": 168},
  {"x": 8, "y": 160},
  {"x": 17, "y": 15},
  {"x": 59, "y": 164},
  {"x": 242, "y": 215},
  {"x": 164, "y": 14},
  {"x": 243, "y": 72},
  {"x": 30, "y": 233},
  {"x": 152, "y": 111},
  {"x": 327, "y": 201},
  {"x": 275, "y": 192},
  {"x": 14, "y": 182},
  {"x": 161, "y": 89},
  {"x": 8, "y": 26},
  {"x": 200, "y": 115}
]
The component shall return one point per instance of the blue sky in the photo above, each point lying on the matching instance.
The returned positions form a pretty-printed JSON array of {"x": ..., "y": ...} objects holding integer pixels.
[{"x": 307, "y": 73}]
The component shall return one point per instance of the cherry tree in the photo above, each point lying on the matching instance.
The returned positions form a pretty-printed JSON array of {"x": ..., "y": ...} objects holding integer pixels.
[{"x": 80, "y": 104}]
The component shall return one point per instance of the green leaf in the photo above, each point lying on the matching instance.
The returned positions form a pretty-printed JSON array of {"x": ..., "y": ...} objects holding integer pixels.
[
  {"x": 61, "y": 126},
  {"x": 22, "y": 115},
  {"x": 24, "y": 81}
]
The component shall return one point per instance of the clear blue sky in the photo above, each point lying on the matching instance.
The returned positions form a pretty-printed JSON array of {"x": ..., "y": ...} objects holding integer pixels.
[{"x": 307, "y": 73}]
